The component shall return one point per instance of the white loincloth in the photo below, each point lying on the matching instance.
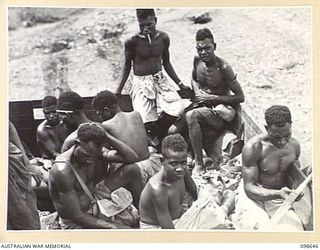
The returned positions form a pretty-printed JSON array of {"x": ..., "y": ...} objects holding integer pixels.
[{"x": 153, "y": 94}]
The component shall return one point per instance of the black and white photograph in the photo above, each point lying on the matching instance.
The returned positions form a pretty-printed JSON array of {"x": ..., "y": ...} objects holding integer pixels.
[{"x": 152, "y": 119}]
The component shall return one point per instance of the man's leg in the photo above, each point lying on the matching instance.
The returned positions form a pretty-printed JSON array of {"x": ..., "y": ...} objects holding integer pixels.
[
  {"x": 129, "y": 177},
  {"x": 195, "y": 119}
]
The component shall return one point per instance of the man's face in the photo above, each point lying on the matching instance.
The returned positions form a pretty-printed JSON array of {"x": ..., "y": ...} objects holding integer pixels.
[
  {"x": 148, "y": 25},
  {"x": 69, "y": 120},
  {"x": 104, "y": 114},
  {"x": 205, "y": 49},
  {"x": 279, "y": 136},
  {"x": 51, "y": 115},
  {"x": 175, "y": 163},
  {"x": 89, "y": 152}
]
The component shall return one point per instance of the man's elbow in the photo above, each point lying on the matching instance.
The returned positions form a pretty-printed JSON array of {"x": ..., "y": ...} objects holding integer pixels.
[{"x": 132, "y": 158}]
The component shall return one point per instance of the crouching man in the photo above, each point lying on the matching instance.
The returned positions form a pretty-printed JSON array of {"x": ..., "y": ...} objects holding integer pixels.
[
  {"x": 75, "y": 173},
  {"x": 161, "y": 201}
]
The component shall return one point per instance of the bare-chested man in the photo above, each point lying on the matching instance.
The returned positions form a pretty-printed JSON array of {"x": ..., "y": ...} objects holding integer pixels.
[
  {"x": 127, "y": 127},
  {"x": 52, "y": 131},
  {"x": 162, "y": 198},
  {"x": 151, "y": 92},
  {"x": 89, "y": 161},
  {"x": 213, "y": 82},
  {"x": 72, "y": 103},
  {"x": 266, "y": 161}
]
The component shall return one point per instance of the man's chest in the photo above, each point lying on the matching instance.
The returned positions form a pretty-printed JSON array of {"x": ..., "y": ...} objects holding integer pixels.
[
  {"x": 276, "y": 160},
  {"x": 211, "y": 78},
  {"x": 146, "y": 50}
]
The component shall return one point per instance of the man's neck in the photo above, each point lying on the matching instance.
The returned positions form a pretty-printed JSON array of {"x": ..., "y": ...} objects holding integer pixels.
[
  {"x": 82, "y": 118},
  {"x": 212, "y": 62}
]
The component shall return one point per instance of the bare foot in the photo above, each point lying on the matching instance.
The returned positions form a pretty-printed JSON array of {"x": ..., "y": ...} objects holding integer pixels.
[{"x": 199, "y": 168}]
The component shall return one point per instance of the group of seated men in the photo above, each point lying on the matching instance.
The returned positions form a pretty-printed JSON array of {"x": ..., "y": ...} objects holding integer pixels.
[{"x": 100, "y": 165}]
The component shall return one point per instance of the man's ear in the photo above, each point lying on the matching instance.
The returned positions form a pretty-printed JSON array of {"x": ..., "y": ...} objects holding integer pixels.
[
  {"x": 214, "y": 46},
  {"x": 156, "y": 19}
]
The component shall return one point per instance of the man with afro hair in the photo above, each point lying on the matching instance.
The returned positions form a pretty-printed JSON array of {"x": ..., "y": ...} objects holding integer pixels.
[
  {"x": 52, "y": 132},
  {"x": 87, "y": 160},
  {"x": 266, "y": 160}
]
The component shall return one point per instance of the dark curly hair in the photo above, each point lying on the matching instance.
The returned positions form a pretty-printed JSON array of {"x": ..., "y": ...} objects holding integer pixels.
[
  {"x": 144, "y": 13},
  {"x": 104, "y": 99},
  {"x": 49, "y": 101},
  {"x": 278, "y": 115},
  {"x": 70, "y": 101},
  {"x": 203, "y": 34},
  {"x": 91, "y": 132},
  {"x": 174, "y": 142}
]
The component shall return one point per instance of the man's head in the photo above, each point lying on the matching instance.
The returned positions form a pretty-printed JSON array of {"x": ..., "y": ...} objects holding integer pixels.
[
  {"x": 174, "y": 151},
  {"x": 278, "y": 119},
  {"x": 49, "y": 105},
  {"x": 205, "y": 45},
  {"x": 70, "y": 105},
  {"x": 90, "y": 138},
  {"x": 105, "y": 103},
  {"x": 147, "y": 21}
]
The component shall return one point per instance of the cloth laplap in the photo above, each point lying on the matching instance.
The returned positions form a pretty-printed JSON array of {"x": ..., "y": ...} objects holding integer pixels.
[{"x": 205, "y": 212}]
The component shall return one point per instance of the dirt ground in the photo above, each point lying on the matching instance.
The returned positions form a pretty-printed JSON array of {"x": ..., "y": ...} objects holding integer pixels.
[{"x": 51, "y": 50}]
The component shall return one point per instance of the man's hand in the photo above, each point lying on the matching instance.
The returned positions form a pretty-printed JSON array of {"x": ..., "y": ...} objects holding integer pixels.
[
  {"x": 203, "y": 96},
  {"x": 285, "y": 192},
  {"x": 183, "y": 87}
]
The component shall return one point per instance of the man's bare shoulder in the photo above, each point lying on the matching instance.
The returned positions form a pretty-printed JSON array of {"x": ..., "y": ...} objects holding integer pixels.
[
  {"x": 42, "y": 126},
  {"x": 163, "y": 34},
  {"x": 196, "y": 60},
  {"x": 254, "y": 144},
  {"x": 156, "y": 185}
]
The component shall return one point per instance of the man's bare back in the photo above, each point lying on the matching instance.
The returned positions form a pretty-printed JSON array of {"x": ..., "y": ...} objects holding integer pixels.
[{"x": 129, "y": 128}]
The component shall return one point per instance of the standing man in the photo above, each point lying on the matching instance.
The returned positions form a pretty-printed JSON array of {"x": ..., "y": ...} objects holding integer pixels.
[
  {"x": 89, "y": 161},
  {"x": 213, "y": 82},
  {"x": 128, "y": 128},
  {"x": 151, "y": 92},
  {"x": 52, "y": 131},
  {"x": 162, "y": 198},
  {"x": 267, "y": 159}
]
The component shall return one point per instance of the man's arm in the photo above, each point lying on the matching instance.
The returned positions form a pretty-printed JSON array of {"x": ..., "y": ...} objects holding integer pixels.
[
  {"x": 251, "y": 155},
  {"x": 64, "y": 180},
  {"x": 234, "y": 86},
  {"x": 160, "y": 203},
  {"x": 69, "y": 141},
  {"x": 167, "y": 64},
  {"x": 129, "y": 55},
  {"x": 121, "y": 153},
  {"x": 190, "y": 185},
  {"x": 46, "y": 144}
]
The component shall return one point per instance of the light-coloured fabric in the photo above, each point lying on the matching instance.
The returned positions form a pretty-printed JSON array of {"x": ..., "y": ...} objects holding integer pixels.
[
  {"x": 66, "y": 224},
  {"x": 153, "y": 94},
  {"x": 256, "y": 215},
  {"x": 147, "y": 226},
  {"x": 205, "y": 212}
]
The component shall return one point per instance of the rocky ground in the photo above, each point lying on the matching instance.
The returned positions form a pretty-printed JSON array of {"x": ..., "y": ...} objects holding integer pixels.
[{"x": 51, "y": 50}]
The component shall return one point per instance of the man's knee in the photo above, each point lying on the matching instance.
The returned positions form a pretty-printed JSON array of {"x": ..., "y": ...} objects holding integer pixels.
[
  {"x": 131, "y": 170},
  {"x": 192, "y": 117}
]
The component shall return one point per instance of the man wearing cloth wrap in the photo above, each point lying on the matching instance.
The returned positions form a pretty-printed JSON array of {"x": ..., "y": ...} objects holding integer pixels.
[{"x": 151, "y": 92}]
